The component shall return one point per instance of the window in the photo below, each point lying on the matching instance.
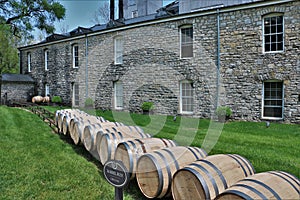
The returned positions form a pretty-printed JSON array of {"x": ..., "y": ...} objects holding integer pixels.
[
  {"x": 273, "y": 99},
  {"x": 29, "y": 62},
  {"x": 75, "y": 56},
  {"x": 135, "y": 14},
  {"x": 75, "y": 94},
  {"x": 273, "y": 33},
  {"x": 118, "y": 86},
  {"x": 131, "y": 2},
  {"x": 186, "y": 42},
  {"x": 46, "y": 57},
  {"x": 118, "y": 50},
  {"x": 186, "y": 97},
  {"x": 47, "y": 90}
]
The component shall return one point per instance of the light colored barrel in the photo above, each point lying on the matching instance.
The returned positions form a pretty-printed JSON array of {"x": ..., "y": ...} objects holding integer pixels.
[
  {"x": 265, "y": 185},
  {"x": 208, "y": 177},
  {"x": 108, "y": 143},
  {"x": 129, "y": 152},
  {"x": 90, "y": 132},
  {"x": 37, "y": 99},
  {"x": 155, "y": 170},
  {"x": 77, "y": 135}
]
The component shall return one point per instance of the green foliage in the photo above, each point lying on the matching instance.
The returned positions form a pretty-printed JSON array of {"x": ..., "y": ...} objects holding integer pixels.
[
  {"x": 89, "y": 102},
  {"x": 24, "y": 16},
  {"x": 56, "y": 99},
  {"x": 223, "y": 111},
  {"x": 9, "y": 60},
  {"x": 147, "y": 106}
]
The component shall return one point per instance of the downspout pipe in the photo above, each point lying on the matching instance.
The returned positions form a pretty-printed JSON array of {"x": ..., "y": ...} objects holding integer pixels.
[
  {"x": 218, "y": 59},
  {"x": 86, "y": 67}
]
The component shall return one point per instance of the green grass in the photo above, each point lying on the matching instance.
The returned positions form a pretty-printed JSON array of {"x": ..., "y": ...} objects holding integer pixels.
[
  {"x": 38, "y": 164},
  {"x": 273, "y": 148}
]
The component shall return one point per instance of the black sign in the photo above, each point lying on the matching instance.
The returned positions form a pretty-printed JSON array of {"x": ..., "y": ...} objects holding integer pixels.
[{"x": 116, "y": 173}]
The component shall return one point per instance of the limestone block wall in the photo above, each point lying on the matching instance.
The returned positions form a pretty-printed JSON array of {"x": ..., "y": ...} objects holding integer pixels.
[{"x": 152, "y": 68}]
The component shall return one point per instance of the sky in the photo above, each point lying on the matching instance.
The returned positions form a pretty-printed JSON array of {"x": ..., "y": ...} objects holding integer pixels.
[{"x": 80, "y": 13}]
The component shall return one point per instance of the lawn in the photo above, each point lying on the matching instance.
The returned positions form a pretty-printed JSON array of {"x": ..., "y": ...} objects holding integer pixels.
[{"x": 38, "y": 164}]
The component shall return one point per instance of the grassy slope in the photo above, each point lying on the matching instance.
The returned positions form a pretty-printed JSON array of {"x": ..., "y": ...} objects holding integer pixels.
[
  {"x": 37, "y": 164},
  {"x": 273, "y": 148}
]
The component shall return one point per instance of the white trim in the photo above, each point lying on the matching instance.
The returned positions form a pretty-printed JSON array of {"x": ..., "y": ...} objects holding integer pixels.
[
  {"x": 118, "y": 85},
  {"x": 73, "y": 55},
  {"x": 74, "y": 95},
  {"x": 174, "y": 18},
  {"x": 29, "y": 62},
  {"x": 180, "y": 101},
  {"x": 118, "y": 50},
  {"x": 47, "y": 89},
  {"x": 46, "y": 59},
  {"x": 273, "y": 14},
  {"x": 180, "y": 35},
  {"x": 263, "y": 101}
]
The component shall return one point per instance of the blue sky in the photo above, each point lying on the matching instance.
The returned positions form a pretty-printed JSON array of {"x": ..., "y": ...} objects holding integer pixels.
[{"x": 80, "y": 13}]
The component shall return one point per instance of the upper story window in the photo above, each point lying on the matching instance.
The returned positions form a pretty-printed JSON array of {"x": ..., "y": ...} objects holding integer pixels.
[
  {"x": 75, "y": 56},
  {"x": 273, "y": 100},
  {"x": 186, "y": 97},
  {"x": 29, "y": 62},
  {"x": 273, "y": 31},
  {"x": 186, "y": 42},
  {"x": 118, "y": 50},
  {"x": 46, "y": 59}
]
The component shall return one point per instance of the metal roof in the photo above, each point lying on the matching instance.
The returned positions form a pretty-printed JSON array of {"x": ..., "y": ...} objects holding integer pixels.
[{"x": 21, "y": 78}]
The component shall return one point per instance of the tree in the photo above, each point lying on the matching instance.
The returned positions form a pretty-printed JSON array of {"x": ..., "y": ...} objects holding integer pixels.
[
  {"x": 102, "y": 14},
  {"x": 9, "y": 61},
  {"x": 25, "y": 15}
]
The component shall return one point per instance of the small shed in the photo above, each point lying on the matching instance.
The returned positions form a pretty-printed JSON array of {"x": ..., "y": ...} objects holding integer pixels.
[{"x": 16, "y": 87}]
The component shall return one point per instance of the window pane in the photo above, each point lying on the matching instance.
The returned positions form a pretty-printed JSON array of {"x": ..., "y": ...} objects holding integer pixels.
[
  {"x": 273, "y": 33},
  {"x": 273, "y": 99},
  {"x": 118, "y": 95},
  {"x": 187, "y": 42},
  {"x": 186, "y": 97}
]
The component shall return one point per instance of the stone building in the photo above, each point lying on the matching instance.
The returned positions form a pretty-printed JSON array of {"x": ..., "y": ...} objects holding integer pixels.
[
  {"x": 245, "y": 56},
  {"x": 16, "y": 87}
]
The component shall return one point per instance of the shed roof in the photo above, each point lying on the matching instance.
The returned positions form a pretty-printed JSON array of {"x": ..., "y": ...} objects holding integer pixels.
[{"x": 21, "y": 78}]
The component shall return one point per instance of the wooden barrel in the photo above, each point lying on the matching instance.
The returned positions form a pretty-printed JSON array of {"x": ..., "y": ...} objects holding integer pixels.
[
  {"x": 108, "y": 143},
  {"x": 65, "y": 124},
  {"x": 130, "y": 151},
  {"x": 37, "y": 99},
  {"x": 78, "y": 132},
  {"x": 266, "y": 185},
  {"x": 208, "y": 177},
  {"x": 92, "y": 130},
  {"x": 155, "y": 170}
]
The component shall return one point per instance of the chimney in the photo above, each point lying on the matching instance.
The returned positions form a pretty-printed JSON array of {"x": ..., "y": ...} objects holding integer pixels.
[
  {"x": 121, "y": 11},
  {"x": 112, "y": 9}
]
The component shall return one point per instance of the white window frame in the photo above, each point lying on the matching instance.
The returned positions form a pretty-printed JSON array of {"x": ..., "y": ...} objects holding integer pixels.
[
  {"x": 29, "y": 62},
  {"x": 181, "y": 42},
  {"x": 182, "y": 97},
  {"x": 74, "y": 57},
  {"x": 47, "y": 90},
  {"x": 46, "y": 59},
  {"x": 263, "y": 101},
  {"x": 75, "y": 96},
  {"x": 269, "y": 34},
  {"x": 118, "y": 95},
  {"x": 118, "y": 48}
]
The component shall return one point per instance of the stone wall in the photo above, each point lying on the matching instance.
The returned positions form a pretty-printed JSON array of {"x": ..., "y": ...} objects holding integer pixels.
[
  {"x": 11, "y": 91},
  {"x": 152, "y": 68}
]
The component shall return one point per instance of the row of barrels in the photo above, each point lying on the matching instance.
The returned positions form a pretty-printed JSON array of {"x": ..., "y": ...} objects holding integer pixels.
[{"x": 162, "y": 168}]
